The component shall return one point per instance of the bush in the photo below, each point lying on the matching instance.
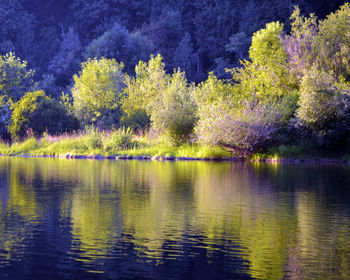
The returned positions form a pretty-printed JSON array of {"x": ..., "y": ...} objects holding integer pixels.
[
  {"x": 39, "y": 113},
  {"x": 15, "y": 78},
  {"x": 175, "y": 112},
  {"x": 324, "y": 106},
  {"x": 122, "y": 139},
  {"x": 242, "y": 131},
  {"x": 97, "y": 92},
  {"x": 137, "y": 120},
  {"x": 93, "y": 138},
  {"x": 167, "y": 99}
]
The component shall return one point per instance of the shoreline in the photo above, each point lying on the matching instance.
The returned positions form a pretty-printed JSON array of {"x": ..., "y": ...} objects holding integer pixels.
[{"x": 166, "y": 158}]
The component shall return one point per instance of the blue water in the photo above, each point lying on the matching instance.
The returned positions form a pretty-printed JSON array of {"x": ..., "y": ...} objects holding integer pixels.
[{"x": 85, "y": 219}]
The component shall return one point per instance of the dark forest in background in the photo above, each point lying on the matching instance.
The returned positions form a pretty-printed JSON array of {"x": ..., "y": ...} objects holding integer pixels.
[{"x": 198, "y": 36}]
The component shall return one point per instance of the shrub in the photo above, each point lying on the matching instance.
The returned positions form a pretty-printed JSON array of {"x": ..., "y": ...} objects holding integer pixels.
[
  {"x": 97, "y": 92},
  {"x": 175, "y": 112},
  {"x": 15, "y": 78},
  {"x": 167, "y": 99},
  {"x": 93, "y": 138},
  {"x": 122, "y": 139},
  {"x": 324, "y": 106},
  {"x": 137, "y": 120},
  {"x": 242, "y": 131},
  {"x": 39, "y": 113}
]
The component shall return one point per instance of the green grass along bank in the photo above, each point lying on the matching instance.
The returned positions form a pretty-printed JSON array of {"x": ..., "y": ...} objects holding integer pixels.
[{"x": 77, "y": 147}]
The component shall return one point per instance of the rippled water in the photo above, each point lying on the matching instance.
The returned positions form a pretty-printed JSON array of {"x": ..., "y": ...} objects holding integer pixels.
[{"x": 82, "y": 219}]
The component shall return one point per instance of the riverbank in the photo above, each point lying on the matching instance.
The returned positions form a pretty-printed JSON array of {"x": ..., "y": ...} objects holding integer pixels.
[
  {"x": 167, "y": 158},
  {"x": 77, "y": 147},
  {"x": 82, "y": 147}
]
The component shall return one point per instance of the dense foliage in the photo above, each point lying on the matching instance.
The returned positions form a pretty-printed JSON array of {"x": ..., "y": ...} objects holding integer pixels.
[
  {"x": 37, "y": 113},
  {"x": 97, "y": 92},
  {"x": 292, "y": 85},
  {"x": 199, "y": 36}
]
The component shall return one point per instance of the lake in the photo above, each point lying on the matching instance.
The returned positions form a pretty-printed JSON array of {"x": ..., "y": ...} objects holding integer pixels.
[{"x": 87, "y": 219}]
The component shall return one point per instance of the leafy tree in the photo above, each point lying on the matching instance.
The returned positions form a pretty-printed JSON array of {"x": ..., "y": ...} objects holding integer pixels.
[
  {"x": 67, "y": 60},
  {"x": 118, "y": 43},
  {"x": 167, "y": 99},
  {"x": 15, "y": 79},
  {"x": 16, "y": 29},
  {"x": 239, "y": 45},
  {"x": 142, "y": 90},
  {"x": 267, "y": 76},
  {"x": 324, "y": 106},
  {"x": 225, "y": 120},
  {"x": 97, "y": 92},
  {"x": 165, "y": 32},
  {"x": 5, "y": 117},
  {"x": 334, "y": 42},
  {"x": 39, "y": 113},
  {"x": 301, "y": 44},
  {"x": 183, "y": 55},
  {"x": 175, "y": 110}
]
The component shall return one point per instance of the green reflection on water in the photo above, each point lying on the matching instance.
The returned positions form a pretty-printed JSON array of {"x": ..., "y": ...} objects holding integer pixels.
[{"x": 282, "y": 230}]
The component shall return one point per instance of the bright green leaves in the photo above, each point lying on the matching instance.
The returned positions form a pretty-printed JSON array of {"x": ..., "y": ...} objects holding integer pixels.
[
  {"x": 22, "y": 109},
  {"x": 15, "y": 78},
  {"x": 97, "y": 91},
  {"x": 37, "y": 113},
  {"x": 167, "y": 99}
]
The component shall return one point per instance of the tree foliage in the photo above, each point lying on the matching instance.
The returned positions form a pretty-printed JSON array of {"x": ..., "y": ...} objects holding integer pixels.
[
  {"x": 38, "y": 113},
  {"x": 167, "y": 99},
  {"x": 15, "y": 77},
  {"x": 97, "y": 92},
  {"x": 119, "y": 43}
]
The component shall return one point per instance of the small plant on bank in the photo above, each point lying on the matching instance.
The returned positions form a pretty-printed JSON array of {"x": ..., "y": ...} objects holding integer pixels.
[
  {"x": 122, "y": 139},
  {"x": 93, "y": 138}
]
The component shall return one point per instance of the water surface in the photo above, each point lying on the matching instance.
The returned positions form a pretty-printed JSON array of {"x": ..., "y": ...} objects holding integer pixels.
[{"x": 84, "y": 219}]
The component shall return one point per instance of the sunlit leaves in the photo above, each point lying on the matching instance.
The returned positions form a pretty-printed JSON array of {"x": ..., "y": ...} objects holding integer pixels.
[{"x": 97, "y": 90}]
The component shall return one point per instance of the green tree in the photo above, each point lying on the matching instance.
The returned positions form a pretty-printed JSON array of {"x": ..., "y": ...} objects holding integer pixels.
[
  {"x": 324, "y": 106},
  {"x": 66, "y": 62},
  {"x": 167, "y": 99},
  {"x": 39, "y": 113},
  {"x": 97, "y": 92},
  {"x": 15, "y": 79},
  {"x": 267, "y": 77},
  {"x": 334, "y": 42},
  {"x": 183, "y": 55},
  {"x": 122, "y": 45}
]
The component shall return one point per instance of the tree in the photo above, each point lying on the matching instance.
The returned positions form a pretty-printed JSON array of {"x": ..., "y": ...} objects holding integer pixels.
[
  {"x": 16, "y": 29},
  {"x": 167, "y": 99},
  {"x": 39, "y": 113},
  {"x": 175, "y": 110},
  {"x": 324, "y": 106},
  {"x": 122, "y": 45},
  {"x": 97, "y": 92},
  {"x": 267, "y": 77},
  {"x": 301, "y": 44},
  {"x": 165, "y": 32},
  {"x": 334, "y": 42},
  {"x": 183, "y": 55},
  {"x": 15, "y": 78},
  {"x": 67, "y": 60},
  {"x": 224, "y": 119}
]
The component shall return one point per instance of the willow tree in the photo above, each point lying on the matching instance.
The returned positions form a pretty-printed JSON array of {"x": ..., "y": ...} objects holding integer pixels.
[{"x": 97, "y": 92}]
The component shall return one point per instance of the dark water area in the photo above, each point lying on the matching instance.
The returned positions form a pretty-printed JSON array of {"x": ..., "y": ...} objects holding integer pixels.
[{"x": 83, "y": 219}]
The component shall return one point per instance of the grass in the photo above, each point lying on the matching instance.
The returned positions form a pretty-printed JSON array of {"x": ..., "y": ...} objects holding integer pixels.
[
  {"x": 123, "y": 143},
  {"x": 281, "y": 152},
  {"x": 83, "y": 144}
]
